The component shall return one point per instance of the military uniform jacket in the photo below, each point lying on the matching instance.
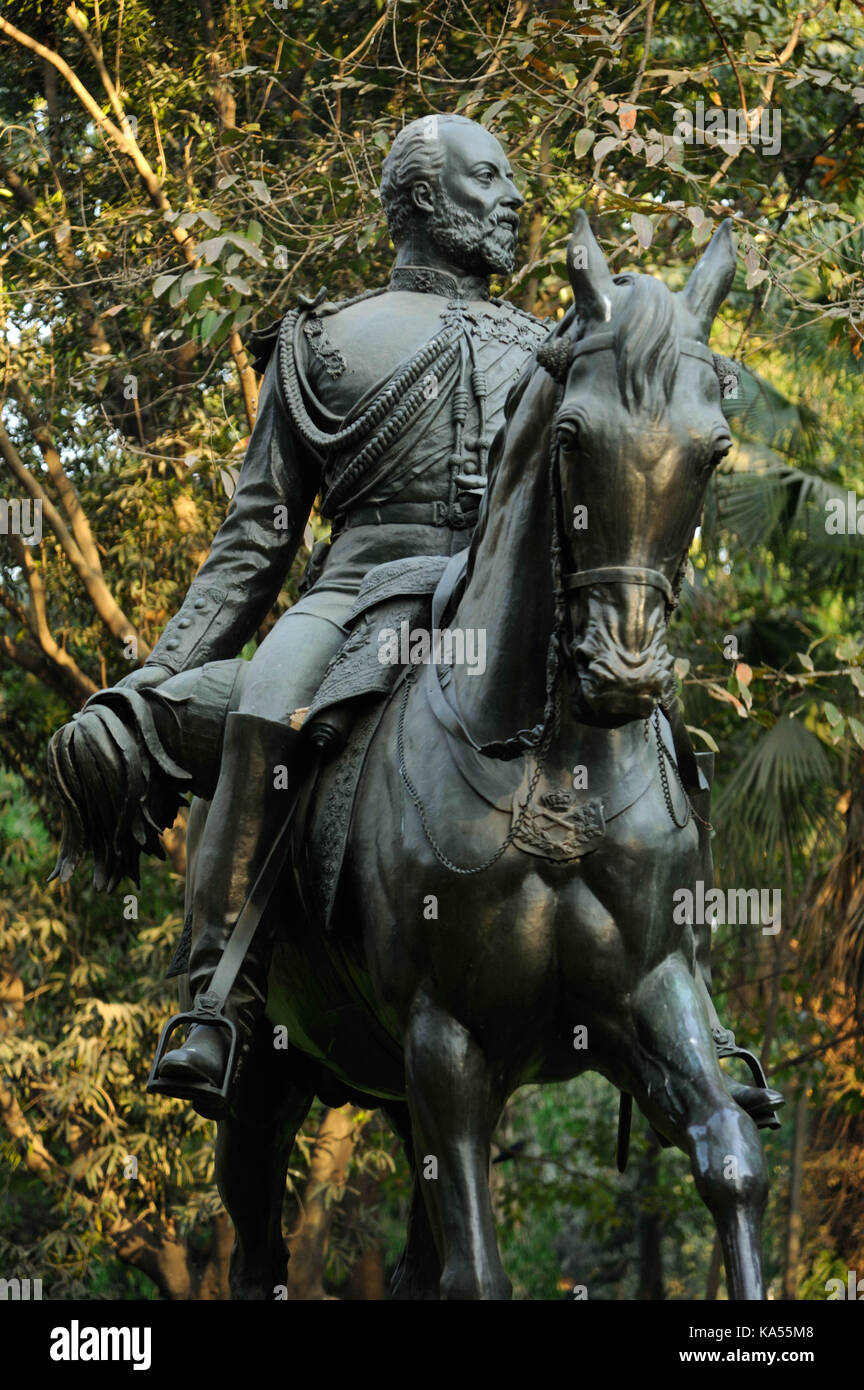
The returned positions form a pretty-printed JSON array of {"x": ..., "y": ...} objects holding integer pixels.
[{"x": 386, "y": 406}]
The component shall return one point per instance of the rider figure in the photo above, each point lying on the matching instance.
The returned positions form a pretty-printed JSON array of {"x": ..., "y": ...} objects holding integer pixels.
[{"x": 386, "y": 405}]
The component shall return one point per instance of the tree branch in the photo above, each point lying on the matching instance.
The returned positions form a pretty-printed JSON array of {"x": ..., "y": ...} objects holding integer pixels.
[
  {"x": 719, "y": 32},
  {"x": 64, "y": 485},
  {"x": 38, "y": 620},
  {"x": 107, "y": 608}
]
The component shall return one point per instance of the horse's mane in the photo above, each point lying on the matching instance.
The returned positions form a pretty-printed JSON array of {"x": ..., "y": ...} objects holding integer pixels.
[{"x": 646, "y": 344}]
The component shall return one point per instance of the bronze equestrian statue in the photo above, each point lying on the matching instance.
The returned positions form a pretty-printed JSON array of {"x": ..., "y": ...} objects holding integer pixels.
[{"x": 448, "y": 904}]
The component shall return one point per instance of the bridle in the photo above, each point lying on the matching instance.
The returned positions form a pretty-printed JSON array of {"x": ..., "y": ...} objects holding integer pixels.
[{"x": 556, "y": 357}]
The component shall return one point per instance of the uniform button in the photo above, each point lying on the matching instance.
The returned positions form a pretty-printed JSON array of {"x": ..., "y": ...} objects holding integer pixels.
[
  {"x": 172, "y": 644},
  {"x": 200, "y": 603},
  {"x": 185, "y": 622}
]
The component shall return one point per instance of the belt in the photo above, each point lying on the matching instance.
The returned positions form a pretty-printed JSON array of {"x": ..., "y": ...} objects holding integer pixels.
[{"x": 412, "y": 514}]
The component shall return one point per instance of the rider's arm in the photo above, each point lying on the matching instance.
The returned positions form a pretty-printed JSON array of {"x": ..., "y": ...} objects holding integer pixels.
[{"x": 253, "y": 548}]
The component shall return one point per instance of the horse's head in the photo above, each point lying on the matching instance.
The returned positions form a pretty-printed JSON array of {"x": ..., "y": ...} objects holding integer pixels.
[{"x": 639, "y": 432}]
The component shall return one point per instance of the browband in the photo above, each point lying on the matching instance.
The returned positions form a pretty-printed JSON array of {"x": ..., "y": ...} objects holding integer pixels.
[{"x": 597, "y": 342}]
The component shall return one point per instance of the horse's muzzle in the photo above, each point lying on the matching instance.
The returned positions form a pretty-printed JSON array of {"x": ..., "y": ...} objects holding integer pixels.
[{"x": 615, "y": 686}]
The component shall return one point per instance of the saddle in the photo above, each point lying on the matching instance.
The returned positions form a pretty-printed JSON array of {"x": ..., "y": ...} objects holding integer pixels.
[{"x": 394, "y": 601}]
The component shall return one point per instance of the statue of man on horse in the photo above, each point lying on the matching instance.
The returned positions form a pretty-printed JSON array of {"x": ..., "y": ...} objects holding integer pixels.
[{"x": 386, "y": 406}]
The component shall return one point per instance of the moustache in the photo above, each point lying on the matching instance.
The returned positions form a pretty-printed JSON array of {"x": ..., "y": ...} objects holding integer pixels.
[{"x": 505, "y": 219}]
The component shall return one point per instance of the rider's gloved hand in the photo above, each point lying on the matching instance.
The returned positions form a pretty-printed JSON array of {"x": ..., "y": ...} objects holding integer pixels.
[{"x": 144, "y": 678}]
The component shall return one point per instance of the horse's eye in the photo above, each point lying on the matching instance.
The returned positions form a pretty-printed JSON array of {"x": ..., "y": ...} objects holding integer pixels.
[
  {"x": 567, "y": 434},
  {"x": 720, "y": 450}
]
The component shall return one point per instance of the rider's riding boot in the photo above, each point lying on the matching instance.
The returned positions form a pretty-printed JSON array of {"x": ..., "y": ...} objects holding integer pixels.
[{"x": 249, "y": 808}]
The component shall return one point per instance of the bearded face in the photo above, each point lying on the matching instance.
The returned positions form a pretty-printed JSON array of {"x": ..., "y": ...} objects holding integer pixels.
[{"x": 478, "y": 245}]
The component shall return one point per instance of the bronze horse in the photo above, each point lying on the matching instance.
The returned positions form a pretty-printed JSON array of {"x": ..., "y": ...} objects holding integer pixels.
[{"x": 476, "y": 948}]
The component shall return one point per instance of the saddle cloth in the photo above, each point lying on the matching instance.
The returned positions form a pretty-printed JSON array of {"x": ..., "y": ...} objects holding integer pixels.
[{"x": 345, "y": 713}]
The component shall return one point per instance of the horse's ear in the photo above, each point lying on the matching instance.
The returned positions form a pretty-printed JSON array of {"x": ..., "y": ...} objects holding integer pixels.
[
  {"x": 711, "y": 278},
  {"x": 589, "y": 273}
]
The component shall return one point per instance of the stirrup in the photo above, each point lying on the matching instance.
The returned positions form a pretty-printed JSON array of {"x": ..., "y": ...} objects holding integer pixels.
[
  {"x": 209, "y": 1100},
  {"x": 724, "y": 1041}
]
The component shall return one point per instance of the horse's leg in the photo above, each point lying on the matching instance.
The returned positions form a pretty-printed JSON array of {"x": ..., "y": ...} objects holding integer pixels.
[
  {"x": 418, "y": 1273},
  {"x": 454, "y": 1106},
  {"x": 680, "y": 1088},
  {"x": 253, "y": 1149}
]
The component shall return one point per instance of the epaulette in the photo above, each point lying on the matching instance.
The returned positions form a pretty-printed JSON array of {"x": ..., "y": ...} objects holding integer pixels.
[
  {"x": 263, "y": 341},
  {"x": 541, "y": 326}
]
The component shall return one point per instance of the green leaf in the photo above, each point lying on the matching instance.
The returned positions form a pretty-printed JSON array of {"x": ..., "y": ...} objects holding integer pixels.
[
  {"x": 212, "y": 249},
  {"x": 583, "y": 142},
  {"x": 703, "y": 735},
  {"x": 162, "y": 283},
  {"x": 857, "y": 730},
  {"x": 209, "y": 324},
  {"x": 245, "y": 244},
  {"x": 644, "y": 229},
  {"x": 847, "y": 650},
  {"x": 605, "y": 146},
  {"x": 198, "y": 295},
  {"x": 832, "y": 713}
]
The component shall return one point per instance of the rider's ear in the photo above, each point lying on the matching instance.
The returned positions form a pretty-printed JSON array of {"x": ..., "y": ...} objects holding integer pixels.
[
  {"x": 589, "y": 273},
  {"x": 711, "y": 278},
  {"x": 421, "y": 196}
]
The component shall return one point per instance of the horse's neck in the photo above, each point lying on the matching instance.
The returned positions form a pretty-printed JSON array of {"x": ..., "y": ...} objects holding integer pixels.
[
  {"x": 508, "y": 605},
  {"x": 508, "y": 602}
]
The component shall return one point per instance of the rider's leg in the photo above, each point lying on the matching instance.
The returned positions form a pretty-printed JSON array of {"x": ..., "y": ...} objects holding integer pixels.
[{"x": 252, "y": 800}]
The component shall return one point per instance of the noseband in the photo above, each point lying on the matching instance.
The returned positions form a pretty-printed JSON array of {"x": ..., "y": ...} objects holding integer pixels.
[{"x": 622, "y": 574}]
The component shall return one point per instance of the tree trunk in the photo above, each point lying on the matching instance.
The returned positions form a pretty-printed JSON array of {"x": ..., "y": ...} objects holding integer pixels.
[
  {"x": 650, "y": 1228},
  {"x": 328, "y": 1166},
  {"x": 796, "y": 1182}
]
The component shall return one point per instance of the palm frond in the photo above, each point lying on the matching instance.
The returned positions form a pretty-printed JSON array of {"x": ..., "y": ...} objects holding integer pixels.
[{"x": 776, "y": 794}]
